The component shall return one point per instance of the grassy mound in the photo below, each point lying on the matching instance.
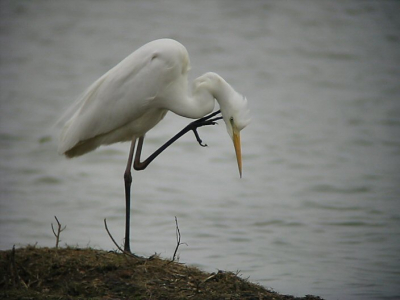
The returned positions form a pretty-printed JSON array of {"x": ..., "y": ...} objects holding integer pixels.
[{"x": 71, "y": 273}]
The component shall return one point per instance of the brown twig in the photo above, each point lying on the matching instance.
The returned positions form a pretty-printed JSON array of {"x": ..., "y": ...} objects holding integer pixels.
[
  {"x": 13, "y": 268},
  {"x": 178, "y": 239},
  {"x": 16, "y": 279},
  {"x": 115, "y": 243},
  {"x": 59, "y": 230}
]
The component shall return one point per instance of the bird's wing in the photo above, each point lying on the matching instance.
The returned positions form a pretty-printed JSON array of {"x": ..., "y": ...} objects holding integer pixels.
[{"x": 120, "y": 96}]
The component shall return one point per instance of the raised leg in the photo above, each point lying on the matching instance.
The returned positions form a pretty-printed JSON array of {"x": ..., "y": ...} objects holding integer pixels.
[
  {"x": 128, "y": 183},
  {"x": 207, "y": 120}
]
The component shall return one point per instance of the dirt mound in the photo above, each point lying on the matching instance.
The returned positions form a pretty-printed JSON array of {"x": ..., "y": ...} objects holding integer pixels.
[{"x": 71, "y": 273}]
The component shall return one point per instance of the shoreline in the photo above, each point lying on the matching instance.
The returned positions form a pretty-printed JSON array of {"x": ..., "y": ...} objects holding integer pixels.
[{"x": 81, "y": 273}]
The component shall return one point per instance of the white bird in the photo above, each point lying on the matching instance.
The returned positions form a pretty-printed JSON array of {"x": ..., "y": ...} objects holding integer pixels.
[{"x": 132, "y": 97}]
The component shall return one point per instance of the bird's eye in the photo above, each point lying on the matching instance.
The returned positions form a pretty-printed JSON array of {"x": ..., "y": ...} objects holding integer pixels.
[{"x": 231, "y": 120}]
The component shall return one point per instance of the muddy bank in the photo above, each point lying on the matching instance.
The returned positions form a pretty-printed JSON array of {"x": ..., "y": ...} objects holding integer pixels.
[{"x": 72, "y": 273}]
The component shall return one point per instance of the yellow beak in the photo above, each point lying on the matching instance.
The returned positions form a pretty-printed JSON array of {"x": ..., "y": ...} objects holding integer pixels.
[{"x": 238, "y": 150}]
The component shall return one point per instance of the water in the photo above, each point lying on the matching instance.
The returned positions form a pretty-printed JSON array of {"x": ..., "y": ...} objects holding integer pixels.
[{"x": 317, "y": 211}]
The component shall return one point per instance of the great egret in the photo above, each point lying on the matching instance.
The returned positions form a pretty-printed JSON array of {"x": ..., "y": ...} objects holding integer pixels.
[{"x": 131, "y": 98}]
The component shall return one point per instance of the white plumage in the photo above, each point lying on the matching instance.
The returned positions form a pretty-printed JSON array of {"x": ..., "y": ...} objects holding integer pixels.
[{"x": 135, "y": 95}]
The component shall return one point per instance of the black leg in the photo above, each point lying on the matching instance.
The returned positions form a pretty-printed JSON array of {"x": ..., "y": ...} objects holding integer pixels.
[
  {"x": 128, "y": 183},
  {"x": 207, "y": 120}
]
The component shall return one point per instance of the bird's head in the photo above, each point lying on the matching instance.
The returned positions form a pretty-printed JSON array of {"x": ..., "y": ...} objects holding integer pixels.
[{"x": 236, "y": 115}]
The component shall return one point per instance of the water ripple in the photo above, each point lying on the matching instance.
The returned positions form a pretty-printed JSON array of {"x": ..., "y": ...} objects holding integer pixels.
[
  {"x": 278, "y": 223},
  {"x": 354, "y": 224},
  {"x": 329, "y": 188}
]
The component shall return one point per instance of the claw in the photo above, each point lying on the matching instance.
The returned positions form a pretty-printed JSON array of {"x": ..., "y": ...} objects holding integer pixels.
[
  {"x": 198, "y": 138},
  {"x": 213, "y": 121},
  {"x": 210, "y": 116},
  {"x": 207, "y": 120}
]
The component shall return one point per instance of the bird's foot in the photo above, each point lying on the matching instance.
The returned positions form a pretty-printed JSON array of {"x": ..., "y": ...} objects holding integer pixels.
[
  {"x": 207, "y": 120},
  {"x": 196, "y": 134},
  {"x": 131, "y": 254}
]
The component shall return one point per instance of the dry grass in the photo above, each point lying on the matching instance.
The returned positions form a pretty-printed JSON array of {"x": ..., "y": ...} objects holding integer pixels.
[{"x": 71, "y": 273}]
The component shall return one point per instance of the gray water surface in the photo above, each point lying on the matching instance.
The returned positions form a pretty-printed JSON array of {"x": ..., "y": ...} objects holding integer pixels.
[{"x": 317, "y": 210}]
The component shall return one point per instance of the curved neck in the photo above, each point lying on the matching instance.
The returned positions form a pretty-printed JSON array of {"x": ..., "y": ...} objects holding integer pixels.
[{"x": 205, "y": 90}]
